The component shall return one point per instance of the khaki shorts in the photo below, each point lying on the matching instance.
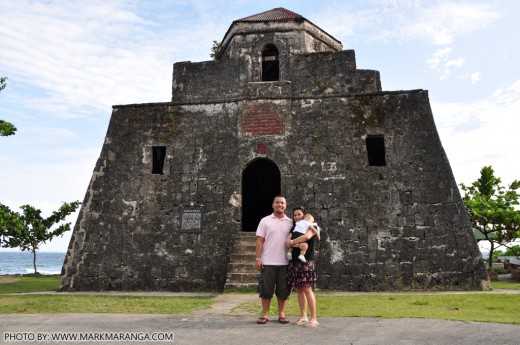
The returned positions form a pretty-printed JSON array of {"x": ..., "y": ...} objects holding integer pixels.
[{"x": 273, "y": 280}]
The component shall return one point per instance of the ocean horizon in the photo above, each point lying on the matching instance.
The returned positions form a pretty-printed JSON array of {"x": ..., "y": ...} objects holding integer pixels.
[{"x": 47, "y": 263}]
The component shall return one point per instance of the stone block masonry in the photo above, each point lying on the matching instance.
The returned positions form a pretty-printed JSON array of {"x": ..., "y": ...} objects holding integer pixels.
[{"x": 367, "y": 163}]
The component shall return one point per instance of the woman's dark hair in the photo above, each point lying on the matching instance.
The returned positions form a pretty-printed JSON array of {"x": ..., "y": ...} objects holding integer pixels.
[
  {"x": 304, "y": 211},
  {"x": 301, "y": 208}
]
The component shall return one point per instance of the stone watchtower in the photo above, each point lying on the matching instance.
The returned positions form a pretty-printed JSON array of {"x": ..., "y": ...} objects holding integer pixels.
[{"x": 283, "y": 109}]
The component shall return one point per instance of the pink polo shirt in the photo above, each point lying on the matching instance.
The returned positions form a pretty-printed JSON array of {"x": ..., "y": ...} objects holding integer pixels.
[{"x": 275, "y": 231}]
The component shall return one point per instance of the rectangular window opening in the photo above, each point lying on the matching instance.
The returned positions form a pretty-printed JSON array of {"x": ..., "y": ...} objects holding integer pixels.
[
  {"x": 158, "y": 157},
  {"x": 376, "y": 150}
]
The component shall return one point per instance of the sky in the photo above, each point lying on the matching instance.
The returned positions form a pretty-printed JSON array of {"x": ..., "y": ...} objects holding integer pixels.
[{"x": 68, "y": 62}]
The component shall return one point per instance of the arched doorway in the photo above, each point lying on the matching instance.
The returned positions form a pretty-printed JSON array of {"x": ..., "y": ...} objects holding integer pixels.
[
  {"x": 260, "y": 184},
  {"x": 270, "y": 63}
]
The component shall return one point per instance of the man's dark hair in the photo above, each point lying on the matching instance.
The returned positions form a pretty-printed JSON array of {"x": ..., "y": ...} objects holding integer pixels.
[{"x": 279, "y": 196}]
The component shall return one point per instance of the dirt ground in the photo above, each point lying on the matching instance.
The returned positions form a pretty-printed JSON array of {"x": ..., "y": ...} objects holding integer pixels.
[{"x": 8, "y": 279}]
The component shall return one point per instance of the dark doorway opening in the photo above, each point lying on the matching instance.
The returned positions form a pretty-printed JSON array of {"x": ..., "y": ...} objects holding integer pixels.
[
  {"x": 270, "y": 64},
  {"x": 261, "y": 182}
]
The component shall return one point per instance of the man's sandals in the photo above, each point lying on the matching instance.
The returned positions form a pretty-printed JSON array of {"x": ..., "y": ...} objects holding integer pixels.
[{"x": 264, "y": 320}]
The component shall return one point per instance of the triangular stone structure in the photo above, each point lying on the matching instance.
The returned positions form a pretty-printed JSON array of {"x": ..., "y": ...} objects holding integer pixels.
[{"x": 283, "y": 109}]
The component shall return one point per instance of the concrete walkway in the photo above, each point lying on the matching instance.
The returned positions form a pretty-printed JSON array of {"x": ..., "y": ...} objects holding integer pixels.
[{"x": 227, "y": 323}]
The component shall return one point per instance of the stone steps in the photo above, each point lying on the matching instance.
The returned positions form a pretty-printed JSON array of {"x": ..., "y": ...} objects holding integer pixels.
[
  {"x": 239, "y": 267},
  {"x": 241, "y": 272},
  {"x": 242, "y": 258},
  {"x": 244, "y": 248},
  {"x": 244, "y": 278}
]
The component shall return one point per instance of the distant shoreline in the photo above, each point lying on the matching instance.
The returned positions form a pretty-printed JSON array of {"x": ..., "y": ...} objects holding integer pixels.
[
  {"x": 8, "y": 250},
  {"x": 21, "y": 262}
]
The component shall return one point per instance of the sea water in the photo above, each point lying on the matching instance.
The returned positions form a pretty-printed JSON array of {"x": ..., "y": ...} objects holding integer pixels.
[{"x": 22, "y": 262}]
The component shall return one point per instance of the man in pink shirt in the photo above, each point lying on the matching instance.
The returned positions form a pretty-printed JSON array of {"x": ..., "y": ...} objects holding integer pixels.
[{"x": 271, "y": 259}]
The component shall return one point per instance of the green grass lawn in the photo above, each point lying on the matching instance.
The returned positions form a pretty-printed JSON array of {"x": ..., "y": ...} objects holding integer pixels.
[
  {"x": 35, "y": 304},
  {"x": 505, "y": 285},
  {"x": 28, "y": 283},
  {"x": 50, "y": 304},
  {"x": 501, "y": 308},
  {"x": 472, "y": 307},
  {"x": 464, "y": 307}
]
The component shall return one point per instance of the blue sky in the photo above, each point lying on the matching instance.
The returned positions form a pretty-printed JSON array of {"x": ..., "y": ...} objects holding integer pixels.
[{"x": 68, "y": 62}]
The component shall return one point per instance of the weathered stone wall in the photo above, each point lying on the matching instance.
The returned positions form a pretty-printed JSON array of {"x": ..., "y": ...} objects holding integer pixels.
[
  {"x": 318, "y": 74},
  {"x": 331, "y": 73},
  {"x": 128, "y": 233},
  {"x": 295, "y": 38},
  {"x": 203, "y": 81},
  {"x": 401, "y": 225}
]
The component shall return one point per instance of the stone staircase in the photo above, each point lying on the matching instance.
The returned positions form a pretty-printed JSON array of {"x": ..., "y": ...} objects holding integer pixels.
[{"x": 241, "y": 272}]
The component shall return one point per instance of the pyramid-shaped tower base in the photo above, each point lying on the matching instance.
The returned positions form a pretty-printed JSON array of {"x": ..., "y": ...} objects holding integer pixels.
[{"x": 282, "y": 110}]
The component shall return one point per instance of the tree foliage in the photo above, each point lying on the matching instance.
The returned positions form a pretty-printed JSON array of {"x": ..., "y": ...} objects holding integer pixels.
[
  {"x": 513, "y": 251},
  {"x": 510, "y": 251},
  {"x": 29, "y": 230},
  {"x": 217, "y": 50},
  {"x": 492, "y": 209},
  {"x": 6, "y": 128}
]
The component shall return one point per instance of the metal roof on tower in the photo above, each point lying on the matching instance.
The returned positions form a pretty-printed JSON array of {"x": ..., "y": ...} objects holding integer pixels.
[
  {"x": 275, "y": 14},
  {"x": 259, "y": 22}
]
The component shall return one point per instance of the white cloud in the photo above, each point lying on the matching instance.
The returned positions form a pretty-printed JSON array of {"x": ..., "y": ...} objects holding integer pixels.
[
  {"x": 441, "y": 61},
  {"x": 444, "y": 20},
  {"x": 63, "y": 177},
  {"x": 50, "y": 132},
  {"x": 58, "y": 175},
  {"x": 341, "y": 21},
  {"x": 94, "y": 54},
  {"x": 432, "y": 24},
  {"x": 81, "y": 54},
  {"x": 483, "y": 132},
  {"x": 475, "y": 77}
]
